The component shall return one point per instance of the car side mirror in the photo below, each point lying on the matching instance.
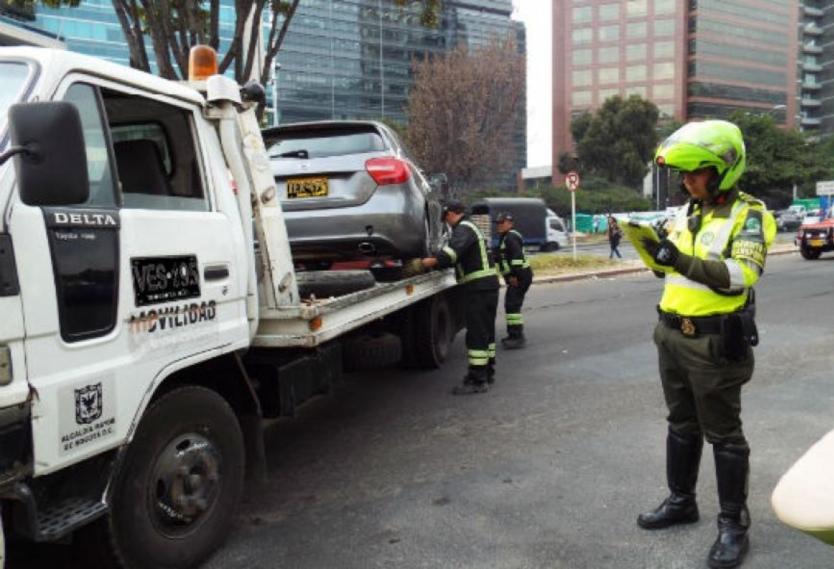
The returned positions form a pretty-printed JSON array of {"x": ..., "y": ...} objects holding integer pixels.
[{"x": 50, "y": 158}]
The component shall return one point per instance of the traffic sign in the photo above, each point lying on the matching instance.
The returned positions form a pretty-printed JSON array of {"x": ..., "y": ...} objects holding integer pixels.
[
  {"x": 572, "y": 181},
  {"x": 825, "y": 188}
]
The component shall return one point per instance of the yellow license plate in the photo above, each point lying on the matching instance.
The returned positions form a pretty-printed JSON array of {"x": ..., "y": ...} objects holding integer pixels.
[
  {"x": 816, "y": 242},
  {"x": 307, "y": 187}
]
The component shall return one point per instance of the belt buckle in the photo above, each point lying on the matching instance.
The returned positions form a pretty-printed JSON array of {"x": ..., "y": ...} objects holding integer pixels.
[{"x": 687, "y": 327}]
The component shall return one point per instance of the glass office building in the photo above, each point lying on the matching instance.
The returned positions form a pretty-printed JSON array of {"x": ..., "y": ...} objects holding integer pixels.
[{"x": 341, "y": 59}]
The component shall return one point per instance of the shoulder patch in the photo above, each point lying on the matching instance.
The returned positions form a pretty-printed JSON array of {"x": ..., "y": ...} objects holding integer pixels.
[{"x": 747, "y": 198}]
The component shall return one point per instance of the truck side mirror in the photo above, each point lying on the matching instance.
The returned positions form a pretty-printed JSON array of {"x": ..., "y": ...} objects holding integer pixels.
[{"x": 50, "y": 157}]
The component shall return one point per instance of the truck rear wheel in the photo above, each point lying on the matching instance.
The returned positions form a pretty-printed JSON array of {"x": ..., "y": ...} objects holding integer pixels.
[
  {"x": 809, "y": 253},
  {"x": 433, "y": 332},
  {"x": 181, "y": 480}
]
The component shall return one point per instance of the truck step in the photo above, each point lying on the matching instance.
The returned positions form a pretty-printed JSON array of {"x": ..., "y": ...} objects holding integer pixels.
[{"x": 63, "y": 518}]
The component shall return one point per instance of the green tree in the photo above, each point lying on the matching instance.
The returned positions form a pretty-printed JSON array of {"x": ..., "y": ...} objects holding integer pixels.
[
  {"x": 618, "y": 141},
  {"x": 778, "y": 158}
]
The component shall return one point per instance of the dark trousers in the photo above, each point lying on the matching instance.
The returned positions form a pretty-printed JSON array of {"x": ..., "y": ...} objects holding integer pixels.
[
  {"x": 481, "y": 307},
  {"x": 702, "y": 388},
  {"x": 513, "y": 301}
]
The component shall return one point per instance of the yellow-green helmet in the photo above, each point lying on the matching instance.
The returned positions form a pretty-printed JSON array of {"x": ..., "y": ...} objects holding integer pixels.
[{"x": 697, "y": 145}]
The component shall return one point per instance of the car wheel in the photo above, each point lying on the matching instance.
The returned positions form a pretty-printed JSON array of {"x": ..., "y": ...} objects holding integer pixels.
[
  {"x": 174, "y": 498},
  {"x": 809, "y": 253}
]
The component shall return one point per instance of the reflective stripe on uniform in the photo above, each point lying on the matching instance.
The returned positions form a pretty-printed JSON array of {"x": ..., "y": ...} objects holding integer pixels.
[
  {"x": 478, "y": 357},
  {"x": 485, "y": 271},
  {"x": 736, "y": 273},
  {"x": 718, "y": 245},
  {"x": 451, "y": 252},
  {"x": 515, "y": 319},
  {"x": 491, "y": 351}
]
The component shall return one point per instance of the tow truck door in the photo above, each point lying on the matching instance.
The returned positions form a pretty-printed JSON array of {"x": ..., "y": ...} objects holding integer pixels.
[{"x": 129, "y": 286}]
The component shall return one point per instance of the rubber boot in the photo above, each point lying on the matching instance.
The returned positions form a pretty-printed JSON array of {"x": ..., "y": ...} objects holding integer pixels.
[
  {"x": 491, "y": 372},
  {"x": 475, "y": 381},
  {"x": 516, "y": 339},
  {"x": 683, "y": 457},
  {"x": 732, "y": 466}
]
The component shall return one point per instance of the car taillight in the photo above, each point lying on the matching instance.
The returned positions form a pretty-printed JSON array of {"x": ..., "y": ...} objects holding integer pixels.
[{"x": 386, "y": 171}]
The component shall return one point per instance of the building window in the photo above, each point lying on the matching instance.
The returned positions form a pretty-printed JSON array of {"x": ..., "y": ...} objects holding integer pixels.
[
  {"x": 581, "y": 78},
  {"x": 581, "y": 98},
  {"x": 636, "y": 52},
  {"x": 664, "y": 27},
  {"x": 664, "y": 49},
  {"x": 636, "y": 30},
  {"x": 665, "y": 70},
  {"x": 583, "y": 35},
  {"x": 605, "y": 94},
  {"x": 635, "y": 8},
  {"x": 664, "y": 7},
  {"x": 581, "y": 56},
  {"x": 609, "y": 33},
  {"x": 608, "y": 55},
  {"x": 636, "y": 73},
  {"x": 608, "y": 12},
  {"x": 666, "y": 110},
  {"x": 608, "y": 75},
  {"x": 664, "y": 91},
  {"x": 582, "y": 14}
]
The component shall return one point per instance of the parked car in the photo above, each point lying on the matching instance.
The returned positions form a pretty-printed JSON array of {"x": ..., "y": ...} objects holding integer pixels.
[
  {"x": 790, "y": 219},
  {"x": 350, "y": 190}
]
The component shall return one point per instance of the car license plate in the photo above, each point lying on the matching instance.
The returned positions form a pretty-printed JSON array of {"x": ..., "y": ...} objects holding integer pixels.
[
  {"x": 307, "y": 188},
  {"x": 816, "y": 242}
]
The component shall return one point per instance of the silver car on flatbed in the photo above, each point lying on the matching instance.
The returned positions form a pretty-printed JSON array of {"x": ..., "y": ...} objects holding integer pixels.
[{"x": 350, "y": 190}]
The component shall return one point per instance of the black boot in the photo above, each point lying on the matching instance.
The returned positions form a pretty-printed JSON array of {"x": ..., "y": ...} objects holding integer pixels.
[
  {"x": 516, "y": 339},
  {"x": 475, "y": 381},
  {"x": 732, "y": 465},
  {"x": 491, "y": 372},
  {"x": 683, "y": 456}
]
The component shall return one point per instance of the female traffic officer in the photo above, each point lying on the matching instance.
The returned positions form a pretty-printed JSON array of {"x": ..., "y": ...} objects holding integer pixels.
[{"x": 714, "y": 254}]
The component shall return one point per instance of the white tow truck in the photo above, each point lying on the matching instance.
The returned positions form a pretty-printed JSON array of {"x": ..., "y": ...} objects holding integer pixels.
[{"x": 150, "y": 314}]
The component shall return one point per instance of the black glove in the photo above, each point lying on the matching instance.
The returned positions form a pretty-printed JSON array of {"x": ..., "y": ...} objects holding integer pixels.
[{"x": 664, "y": 253}]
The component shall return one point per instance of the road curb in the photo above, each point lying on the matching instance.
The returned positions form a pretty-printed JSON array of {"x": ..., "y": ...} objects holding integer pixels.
[{"x": 619, "y": 272}]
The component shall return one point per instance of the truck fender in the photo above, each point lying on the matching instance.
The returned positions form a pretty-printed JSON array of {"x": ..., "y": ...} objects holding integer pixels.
[{"x": 224, "y": 374}]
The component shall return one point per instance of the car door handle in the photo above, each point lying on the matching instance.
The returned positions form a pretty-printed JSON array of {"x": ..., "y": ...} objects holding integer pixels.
[{"x": 216, "y": 273}]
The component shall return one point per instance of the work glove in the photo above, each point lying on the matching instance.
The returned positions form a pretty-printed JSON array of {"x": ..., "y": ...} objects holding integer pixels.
[
  {"x": 664, "y": 253},
  {"x": 413, "y": 267}
]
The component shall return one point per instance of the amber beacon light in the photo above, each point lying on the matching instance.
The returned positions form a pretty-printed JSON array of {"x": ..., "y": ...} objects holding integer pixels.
[{"x": 202, "y": 63}]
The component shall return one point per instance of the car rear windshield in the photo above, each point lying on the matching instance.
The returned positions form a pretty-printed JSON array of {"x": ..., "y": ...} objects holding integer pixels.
[
  {"x": 13, "y": 79},
  {"x": 320, "y": 143}
]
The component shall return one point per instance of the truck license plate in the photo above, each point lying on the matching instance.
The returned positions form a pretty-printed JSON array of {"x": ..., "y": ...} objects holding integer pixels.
[
  {"x": 307, "y": 188},
  {"x": 816, "y": 242}
]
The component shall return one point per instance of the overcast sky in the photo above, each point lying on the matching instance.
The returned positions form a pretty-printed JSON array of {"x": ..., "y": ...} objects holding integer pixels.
[{"x": 536, "y": 16}]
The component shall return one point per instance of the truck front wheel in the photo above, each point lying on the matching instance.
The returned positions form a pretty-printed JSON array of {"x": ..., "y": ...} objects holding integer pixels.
[
  {"x": 809, "y": 253},
  {"x": 180, "y": 483}
]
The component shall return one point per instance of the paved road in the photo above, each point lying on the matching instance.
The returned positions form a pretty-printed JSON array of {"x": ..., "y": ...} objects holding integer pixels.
[{"x": 551, "y": 467}]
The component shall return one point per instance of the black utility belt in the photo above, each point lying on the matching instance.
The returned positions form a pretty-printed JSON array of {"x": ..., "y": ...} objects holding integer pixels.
[{"x": 692, "y": 325}]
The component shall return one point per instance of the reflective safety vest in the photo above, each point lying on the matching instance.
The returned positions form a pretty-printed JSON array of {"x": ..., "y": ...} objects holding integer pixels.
[
  {"x": 737, "y": 233},
  {"x": 505, "y": 265},
  {"x": 472, "y": 269}
]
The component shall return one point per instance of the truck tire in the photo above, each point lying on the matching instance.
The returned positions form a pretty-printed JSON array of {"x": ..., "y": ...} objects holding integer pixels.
[
  {"x": 809, "y": 253},
  {"x": 324, "y": 284},
  {"x": 174, "y": 497},
  {"x": 433, "y": 332},
  {"x": 372, "y": 352},
  {"x": 550, "y": 246}
]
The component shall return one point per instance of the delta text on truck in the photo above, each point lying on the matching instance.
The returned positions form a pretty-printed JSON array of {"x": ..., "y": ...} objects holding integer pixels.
[{"x": 150, "y": 314}]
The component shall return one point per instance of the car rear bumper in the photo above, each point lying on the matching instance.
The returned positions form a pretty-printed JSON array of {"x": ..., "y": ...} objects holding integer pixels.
[{"x": 390, "y": 224}]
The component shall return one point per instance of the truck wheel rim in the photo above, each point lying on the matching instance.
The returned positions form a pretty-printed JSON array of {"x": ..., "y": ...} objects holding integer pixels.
[{"x": 184, "y": 484}]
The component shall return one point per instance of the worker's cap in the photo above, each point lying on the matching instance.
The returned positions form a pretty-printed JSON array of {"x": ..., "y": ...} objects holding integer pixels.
[
  {"x": 454, "y": 206},
  {"x": 503, "y": 216}
]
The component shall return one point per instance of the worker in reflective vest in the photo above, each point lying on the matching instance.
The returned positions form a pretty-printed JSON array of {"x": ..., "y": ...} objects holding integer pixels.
[
  {"x": 713, "y": 255},
  {"x": 515, "y": 268},
  {"x": 467, "y": 251}
]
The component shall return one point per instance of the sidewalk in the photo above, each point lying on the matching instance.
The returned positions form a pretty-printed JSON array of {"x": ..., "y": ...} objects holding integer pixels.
[{"x": 630, "y": 267}]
